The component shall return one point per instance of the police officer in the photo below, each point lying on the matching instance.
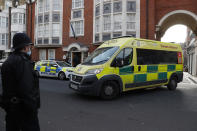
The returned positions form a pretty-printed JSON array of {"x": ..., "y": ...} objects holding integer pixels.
[{"x": 20, "y": 83}]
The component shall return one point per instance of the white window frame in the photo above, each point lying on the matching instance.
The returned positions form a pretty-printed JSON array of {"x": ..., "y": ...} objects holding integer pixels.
[
  {"x": 107, "y": 24},
  {"x": 75, "y": 2},
  {"x": 51, "y": 54},
  {"x": 131, "y": 23},
  {"x": 117, "y": 22},
  {"x": 82, "y": 14},
  {"x": 47, "y": 5},
  {"x": 55, "y": 29},
  {"x": 46, "y": 30},
  {"x": 77, "y": 33},
  {"x": 57, "y": 4},
  {"x": 42, "y": 54},
  {"x": 40, "y": 6}
]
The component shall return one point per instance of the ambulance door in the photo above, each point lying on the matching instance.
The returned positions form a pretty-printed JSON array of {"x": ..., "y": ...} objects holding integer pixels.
[{"x": 125, "y": 67}]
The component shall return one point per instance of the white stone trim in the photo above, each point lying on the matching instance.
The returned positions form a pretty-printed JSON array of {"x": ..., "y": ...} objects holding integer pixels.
[
  {"x": 177, "y": 12},
  {"x": 76, "y": 45}
]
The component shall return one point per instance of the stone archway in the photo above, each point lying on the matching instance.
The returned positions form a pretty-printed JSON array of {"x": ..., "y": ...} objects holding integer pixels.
[{"x": 184, "y": 17}]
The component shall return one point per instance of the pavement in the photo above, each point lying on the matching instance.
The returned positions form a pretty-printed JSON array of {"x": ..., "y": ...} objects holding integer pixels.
[{"x": 189, "y": 77}]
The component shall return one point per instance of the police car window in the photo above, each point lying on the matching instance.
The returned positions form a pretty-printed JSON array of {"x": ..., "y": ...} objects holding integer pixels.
[
  {"x": 52, "y": 64},
  {"x": 44, "y": 64}
]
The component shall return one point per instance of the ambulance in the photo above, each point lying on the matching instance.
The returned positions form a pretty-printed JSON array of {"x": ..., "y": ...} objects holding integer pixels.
[{"x": 127, "y": 63}]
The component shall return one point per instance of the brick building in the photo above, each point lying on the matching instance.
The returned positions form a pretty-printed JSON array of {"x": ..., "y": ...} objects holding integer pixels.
[{"x": 95, "y": 21}]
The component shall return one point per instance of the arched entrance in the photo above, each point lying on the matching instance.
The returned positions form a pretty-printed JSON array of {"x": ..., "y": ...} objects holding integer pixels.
[
  {"x": 76, "y": 53},
  {"x": 184, "y": 17}
]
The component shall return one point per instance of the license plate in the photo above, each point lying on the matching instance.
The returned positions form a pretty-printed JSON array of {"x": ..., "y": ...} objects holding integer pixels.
[{"x": 74, "y": 86}]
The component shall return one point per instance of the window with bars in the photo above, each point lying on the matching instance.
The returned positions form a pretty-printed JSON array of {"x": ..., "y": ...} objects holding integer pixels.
[
  {"x": 56, "y": 30},
  {"x": 131, "y": 6},
  {"x": 77, "y": 4},
  {"x": 78, "y": 27},
  {"x": 56, "y": 4},
  {"x": 107, "y": 23},
  {"x": 3, "y": 39},
  {"x": 21, "y": 18},
  {"x": 118, "y": 22},
  {"x": 117, "y": 7},
  {"x": 107, "y": 8}
]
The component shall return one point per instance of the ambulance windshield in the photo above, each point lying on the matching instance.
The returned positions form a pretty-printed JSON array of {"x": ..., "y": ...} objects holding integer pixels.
[{"x": 100, "y": 56}]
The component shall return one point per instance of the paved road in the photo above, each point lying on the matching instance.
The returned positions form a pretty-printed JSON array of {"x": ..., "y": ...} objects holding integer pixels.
[{"x": 143, "y": 110}]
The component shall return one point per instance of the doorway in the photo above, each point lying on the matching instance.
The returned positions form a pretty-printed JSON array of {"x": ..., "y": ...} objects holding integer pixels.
[{"x": 76, "y": 58}]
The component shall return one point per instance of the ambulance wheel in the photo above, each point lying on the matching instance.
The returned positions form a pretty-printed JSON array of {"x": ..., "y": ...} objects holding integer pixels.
[
  {"x": 62, "y": 76},
  {"x": 109, "y": 90},
  {"x": 172, "y": 84}
]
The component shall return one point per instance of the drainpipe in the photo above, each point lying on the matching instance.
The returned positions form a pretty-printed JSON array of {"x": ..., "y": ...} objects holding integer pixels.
[{"x": 147, "y": 18}]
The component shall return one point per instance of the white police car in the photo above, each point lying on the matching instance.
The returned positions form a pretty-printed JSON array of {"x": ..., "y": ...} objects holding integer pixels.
[{"x": 51, "y": 68}]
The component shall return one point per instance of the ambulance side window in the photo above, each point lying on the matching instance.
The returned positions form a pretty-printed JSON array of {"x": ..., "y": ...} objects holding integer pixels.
[{"x": 125, "y": 57}]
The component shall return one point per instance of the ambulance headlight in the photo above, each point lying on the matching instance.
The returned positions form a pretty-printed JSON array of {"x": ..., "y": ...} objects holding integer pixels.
[{"x": 94, "y": 71}]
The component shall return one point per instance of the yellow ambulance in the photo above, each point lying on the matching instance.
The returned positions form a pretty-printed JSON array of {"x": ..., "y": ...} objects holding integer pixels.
[{"x": 127, "y": 63}]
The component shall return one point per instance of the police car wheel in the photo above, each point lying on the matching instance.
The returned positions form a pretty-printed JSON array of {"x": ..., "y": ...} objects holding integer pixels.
[
  {"x": 109, "y": 90},
  {"x": 61, "y": 76},
  {"x": 172, "y": 84}
]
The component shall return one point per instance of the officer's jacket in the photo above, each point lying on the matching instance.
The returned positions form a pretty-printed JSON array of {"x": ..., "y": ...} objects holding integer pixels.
[{"x": 19, "y": 80}]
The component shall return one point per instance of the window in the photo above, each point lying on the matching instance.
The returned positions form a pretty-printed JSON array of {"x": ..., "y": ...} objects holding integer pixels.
[
  {"x": 56, "y": 30},
  {"x": 56, "y": 17},
  {"x": 0, "y": 39},
  {"x": 97, "y": 25},
  {"x": 39, "y": 41},
  {"x": 96, "y": 37},
  {"x": 125, "y": 57},
  {"x": 56, "y": 5},
  {"x": 77, "y": 14},
  {"x": 42, "y": 54},
  {"x": 107, "y": 23},
  {"x": 51, "y": 54},
  {"x": 106, "y": 37},
  {"x": 148, "y": 57},
  {"x": 97, "y": 12},
  {"x": 7, "y": 21},
  {"x": 78, "y": 27},
  {"x": 131, "y": 6},
  {"x": 77, "y": 4},
  {"x": 4, "y": 22},
  {"x": 20, "y": 18},
  {"x": 40, "y": 19},
  {"x": 117, "y": 7},
  {"x": 117, "y": 34},
  {"x": 131, "y": 21},
  {"x": 107, "y": 8},
  {"x": 40, "y": 30},
  {"x": 0, "y": 21},
  {"x": 47, "y": 4},
  {"x": 46, "y": 40},
  {"x": 46, "y": 18},
  {"x": 46, "y": 30},
  {"x": 40, "y": 6},
  {"x": 118, "y": 22},
  {"x": 3, "y": 39},
  {"x": 55, "y": 40}
]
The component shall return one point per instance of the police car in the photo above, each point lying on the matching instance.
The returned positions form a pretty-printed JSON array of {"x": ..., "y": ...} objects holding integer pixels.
[{"x": 51, "y": 68}]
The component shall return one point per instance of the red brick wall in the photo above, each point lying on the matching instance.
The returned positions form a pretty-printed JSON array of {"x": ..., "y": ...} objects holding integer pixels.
[
  {"x": 87, "y": 39},
  {"x": 158, "y": 9}
]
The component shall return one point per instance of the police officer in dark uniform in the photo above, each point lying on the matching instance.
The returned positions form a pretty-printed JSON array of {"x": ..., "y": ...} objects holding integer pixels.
[{"x": 20, "y": 83}]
